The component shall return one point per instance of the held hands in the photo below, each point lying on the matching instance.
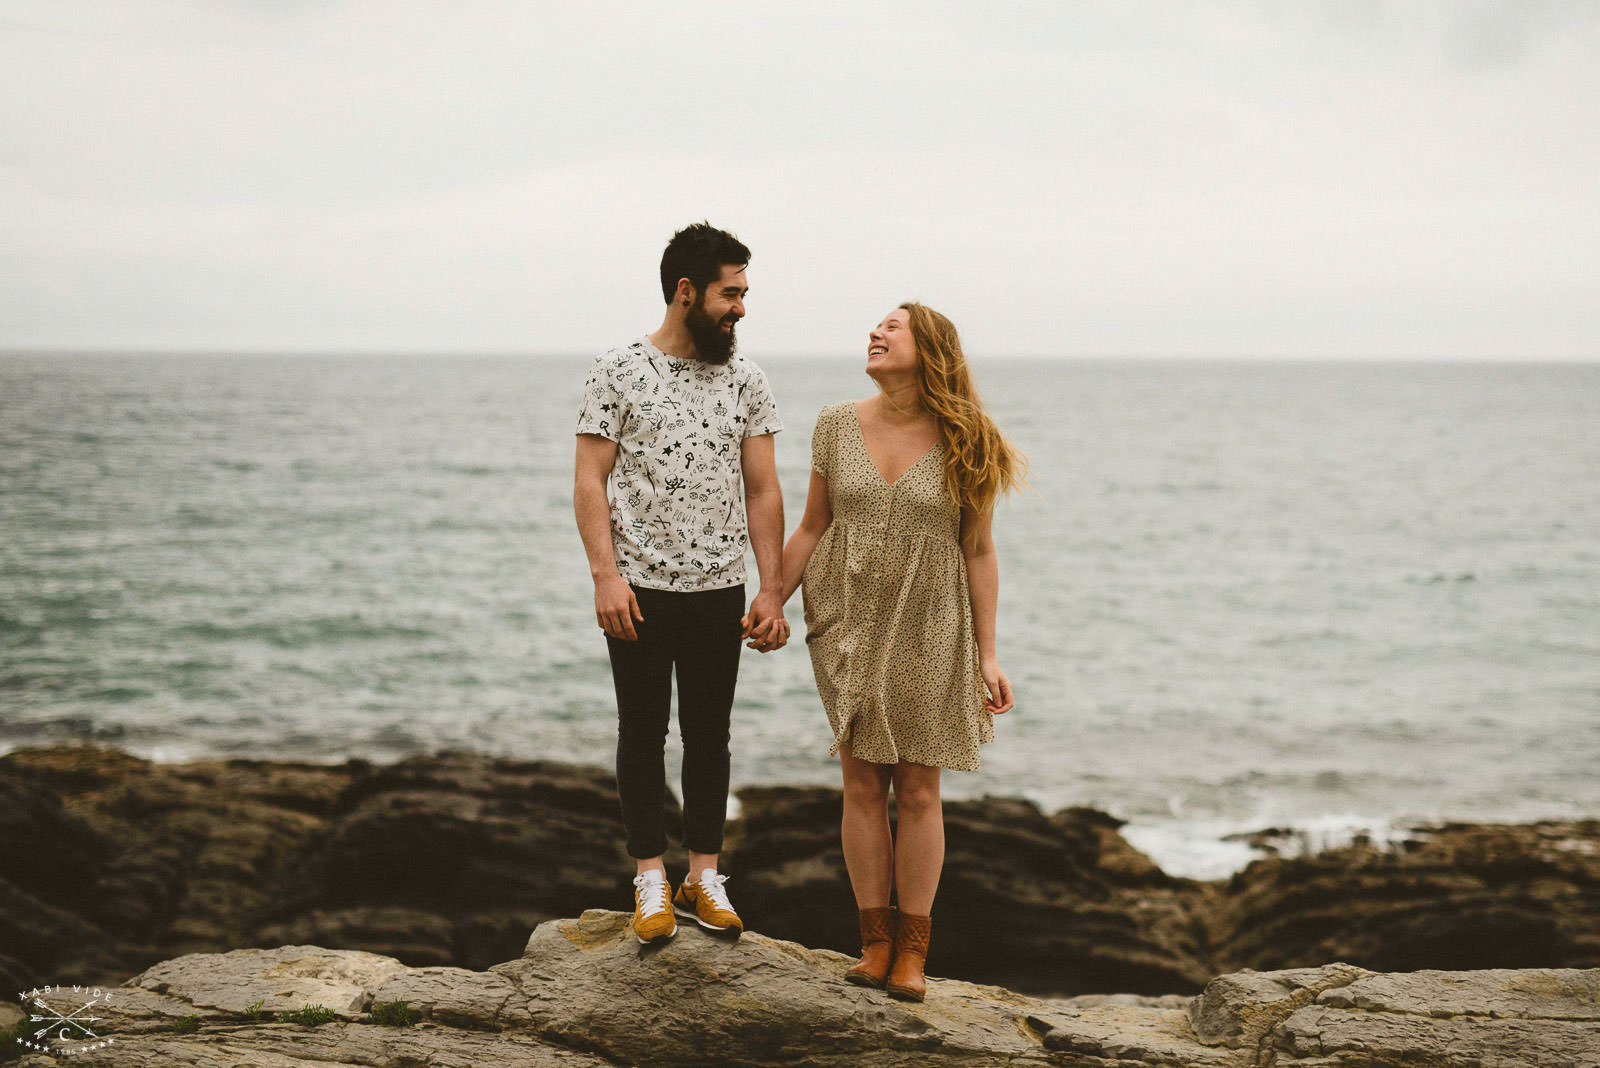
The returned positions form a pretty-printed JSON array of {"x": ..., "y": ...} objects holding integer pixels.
[
  {"x": 764, "y": 624},
  {"x": 616, "y": 608},
  {"x": 999, "y": 700}
]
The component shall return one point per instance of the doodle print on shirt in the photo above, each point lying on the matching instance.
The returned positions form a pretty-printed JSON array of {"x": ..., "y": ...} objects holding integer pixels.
[{"x": 677, "y": 497}]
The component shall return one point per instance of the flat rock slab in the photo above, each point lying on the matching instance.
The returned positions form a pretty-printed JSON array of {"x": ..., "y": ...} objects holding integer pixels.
[
  {"x": 282, "y": 979},
  {"x": 1547, "y": 994},
  {"x": 288, "y": 1046},
  {"x": 1344, "y": 1016},
  {"x": 700, "y": 999},
  {"x": 585, "y": 992},
  {"x": 1488, "y": 1019},
  {"x": 1319, "y": 1037}
]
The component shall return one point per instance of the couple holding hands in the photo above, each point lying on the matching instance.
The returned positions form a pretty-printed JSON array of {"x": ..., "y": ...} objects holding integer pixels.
[{"x": 676, "y": 476}]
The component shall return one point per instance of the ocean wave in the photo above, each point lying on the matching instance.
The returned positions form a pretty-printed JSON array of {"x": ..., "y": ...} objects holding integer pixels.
[
  {"x": 304, "y": 633},
  {"x": 119, "y": 695},
  {"x": 393, "y": 737},
  {"x": 189, "y": 518},
  {"x": 470, "y": 470},
  {"x": 15, "y": 633},
  {"x": 1305, "y": 637},
  {"x": 65, "y": 728}
]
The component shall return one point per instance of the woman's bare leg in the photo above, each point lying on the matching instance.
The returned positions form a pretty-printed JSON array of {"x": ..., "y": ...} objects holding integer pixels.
[
  {"x": 868, "y": 845},
  {"x": 919, "y": 837}
]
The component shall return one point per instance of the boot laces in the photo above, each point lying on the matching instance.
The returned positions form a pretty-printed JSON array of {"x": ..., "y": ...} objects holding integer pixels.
[{"x": 651, "y": 893}]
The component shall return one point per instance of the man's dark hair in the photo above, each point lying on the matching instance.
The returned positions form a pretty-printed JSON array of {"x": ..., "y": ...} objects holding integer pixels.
[{"x": 699, "y": 253}]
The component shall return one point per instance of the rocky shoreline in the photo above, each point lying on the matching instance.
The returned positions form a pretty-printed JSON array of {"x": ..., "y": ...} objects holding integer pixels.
[
  {"x": 584, "y": 992},
  {"x": 110, "y": 864}
]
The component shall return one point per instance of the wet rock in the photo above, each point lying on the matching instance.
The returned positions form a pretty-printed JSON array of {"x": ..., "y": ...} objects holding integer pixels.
[
  {"x": 109, "y": 863},
  {"x": 1453, "y": 897},
  {"x": 112, "y": 863}
]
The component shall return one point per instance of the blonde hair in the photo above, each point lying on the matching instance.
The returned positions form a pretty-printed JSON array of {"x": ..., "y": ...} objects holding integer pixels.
[{"x": 979, "y": 463}]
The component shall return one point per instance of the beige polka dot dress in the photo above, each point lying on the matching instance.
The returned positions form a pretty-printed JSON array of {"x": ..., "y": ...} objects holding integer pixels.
[{"x": 888, "y": 609}]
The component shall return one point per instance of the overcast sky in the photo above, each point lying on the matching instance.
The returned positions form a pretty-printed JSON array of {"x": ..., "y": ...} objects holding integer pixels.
[{"x": 1276, "y": 179}]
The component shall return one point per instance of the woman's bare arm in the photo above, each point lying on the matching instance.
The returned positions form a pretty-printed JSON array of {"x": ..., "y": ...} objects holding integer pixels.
[{"x": 814, "y": 523}]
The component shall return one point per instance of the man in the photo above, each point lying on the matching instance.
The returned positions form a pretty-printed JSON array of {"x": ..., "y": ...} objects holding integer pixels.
[{"x": 676, "y": 422}]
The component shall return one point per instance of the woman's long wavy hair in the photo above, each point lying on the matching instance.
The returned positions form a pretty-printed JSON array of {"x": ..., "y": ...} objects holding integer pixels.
[{"x": 979, "y": 463}]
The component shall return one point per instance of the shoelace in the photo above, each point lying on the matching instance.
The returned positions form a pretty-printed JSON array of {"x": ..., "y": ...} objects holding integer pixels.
[
  {"x": 652, "y": 895},
  {"x": 711, "y": 886}
]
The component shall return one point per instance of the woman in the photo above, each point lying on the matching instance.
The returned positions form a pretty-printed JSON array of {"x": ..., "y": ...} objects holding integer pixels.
[{"x": 900, "y": 583}]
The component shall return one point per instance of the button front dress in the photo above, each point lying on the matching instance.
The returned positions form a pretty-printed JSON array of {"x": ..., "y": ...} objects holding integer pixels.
[{"x": 888, "y": 609}]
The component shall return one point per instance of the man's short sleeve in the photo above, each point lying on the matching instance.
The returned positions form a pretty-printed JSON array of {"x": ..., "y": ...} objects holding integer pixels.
[
  {"x": 761, "y": 409},
  {"x": 601, "y": 409}
]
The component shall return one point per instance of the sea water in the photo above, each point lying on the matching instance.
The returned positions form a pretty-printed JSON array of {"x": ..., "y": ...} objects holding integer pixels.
[{"x": 1238, "y": 594}]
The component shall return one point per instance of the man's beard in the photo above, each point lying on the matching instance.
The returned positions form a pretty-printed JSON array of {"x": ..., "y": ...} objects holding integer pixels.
[{"x": 710, "y": 342}]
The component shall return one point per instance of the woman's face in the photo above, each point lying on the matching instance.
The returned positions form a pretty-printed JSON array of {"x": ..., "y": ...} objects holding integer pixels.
[{"x": 890, "y": 346}]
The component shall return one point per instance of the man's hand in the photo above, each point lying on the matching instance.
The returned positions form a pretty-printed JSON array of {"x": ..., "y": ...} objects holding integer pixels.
[
  {"x": 616, "y": 608},
  {"x": 764, "y": 624}
]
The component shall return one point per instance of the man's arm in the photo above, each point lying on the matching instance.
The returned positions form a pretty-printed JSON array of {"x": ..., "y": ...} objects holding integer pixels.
[
  {"x": 763, "y": 505},
  {"x": 615, "y": 606}
]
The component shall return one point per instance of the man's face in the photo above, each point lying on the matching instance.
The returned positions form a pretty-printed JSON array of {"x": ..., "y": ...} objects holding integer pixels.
[{"x": 715, "y": 313}]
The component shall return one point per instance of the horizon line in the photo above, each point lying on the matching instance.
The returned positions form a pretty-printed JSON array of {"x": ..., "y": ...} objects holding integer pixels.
[{"x": 538, "y": 354}]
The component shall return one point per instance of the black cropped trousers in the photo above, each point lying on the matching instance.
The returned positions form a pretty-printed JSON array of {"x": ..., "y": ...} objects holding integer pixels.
[{"x": 695, "y": 635}]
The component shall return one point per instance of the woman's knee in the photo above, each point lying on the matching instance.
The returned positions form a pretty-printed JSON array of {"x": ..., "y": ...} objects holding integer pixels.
[
  {"x": 868, "y": 797},
  {"x": 916, "y": 793},
  {"x": 866, "y": 788}
]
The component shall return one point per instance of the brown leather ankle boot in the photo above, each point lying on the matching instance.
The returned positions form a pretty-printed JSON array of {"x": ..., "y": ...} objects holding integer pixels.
[
  {"x": 877, "y": 939},
  {"x": 910, "y": 955}
]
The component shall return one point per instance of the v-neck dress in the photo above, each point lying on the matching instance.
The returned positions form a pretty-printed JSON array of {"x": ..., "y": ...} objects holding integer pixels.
[{"x": 888, "y": 609}]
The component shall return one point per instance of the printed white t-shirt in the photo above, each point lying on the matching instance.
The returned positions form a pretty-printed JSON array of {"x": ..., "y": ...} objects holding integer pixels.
[{"x": 677, "y": 499}]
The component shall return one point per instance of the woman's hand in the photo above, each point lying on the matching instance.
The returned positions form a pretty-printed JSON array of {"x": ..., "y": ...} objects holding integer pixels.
[
  {"x": 764, "y": 624},
  {"x": 999, "y": 700}
]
